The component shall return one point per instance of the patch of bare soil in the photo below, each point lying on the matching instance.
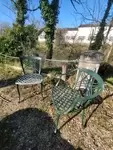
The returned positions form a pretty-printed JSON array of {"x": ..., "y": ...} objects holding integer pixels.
[{"x": 29, "y": 125}]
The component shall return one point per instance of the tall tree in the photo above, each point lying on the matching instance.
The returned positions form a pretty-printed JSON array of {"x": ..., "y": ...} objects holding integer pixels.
[
  {"x": 49, "y": 12},
  {"x": 23, "y": 37},
  {"x": 21, "y": 11},
  {"x": 100, "y": 35}
]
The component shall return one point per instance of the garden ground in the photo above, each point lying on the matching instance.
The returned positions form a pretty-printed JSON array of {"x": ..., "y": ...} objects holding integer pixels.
[{"x": 29, "y": 125}]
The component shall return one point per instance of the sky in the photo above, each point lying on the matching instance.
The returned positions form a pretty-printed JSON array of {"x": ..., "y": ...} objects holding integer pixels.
[{"x": 89, "y": 11}]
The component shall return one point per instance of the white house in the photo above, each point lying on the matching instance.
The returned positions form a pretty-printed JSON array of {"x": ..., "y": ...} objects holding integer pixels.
[
  {"x": 85, "y": 33},
  {"x": 41, "y": 37},
  {"x": 70, "y": 34}
]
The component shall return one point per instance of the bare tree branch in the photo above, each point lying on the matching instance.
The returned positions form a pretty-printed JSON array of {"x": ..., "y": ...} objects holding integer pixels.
[
  {"x": 14, "y": 3},
  {"x": 27, "y": 8},
  {"x": 9, "y": 9},
  {"x": 110, "y": 26},
  {"x": 75, "y": 1},
  {"x": 33, "y": 9},
  {"x": 73, "y": 5}
]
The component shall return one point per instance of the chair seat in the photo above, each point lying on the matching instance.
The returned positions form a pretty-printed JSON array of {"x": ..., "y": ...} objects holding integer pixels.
[
  {"x": 26, "y": 79},
  {"x": 65, "y": 99}
]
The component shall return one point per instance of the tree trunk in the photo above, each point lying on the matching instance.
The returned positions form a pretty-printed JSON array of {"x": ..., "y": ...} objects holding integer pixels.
[
  {"x": 100, "y": 35},
  {"x": 49, "y": 12},
  {"x": 108, "y": 54},
  {"x": 109, "y": 29},
  {"x": 50, "y": 52}
]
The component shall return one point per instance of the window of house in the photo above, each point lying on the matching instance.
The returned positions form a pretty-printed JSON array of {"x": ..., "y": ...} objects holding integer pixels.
[{"x": 81, "y": 38}]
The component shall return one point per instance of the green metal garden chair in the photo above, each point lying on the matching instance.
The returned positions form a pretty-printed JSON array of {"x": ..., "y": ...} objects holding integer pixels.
[{"x": 73, "y": 99}]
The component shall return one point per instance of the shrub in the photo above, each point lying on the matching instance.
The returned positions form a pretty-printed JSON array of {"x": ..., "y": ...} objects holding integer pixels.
[{"x": 18, "y": 39}]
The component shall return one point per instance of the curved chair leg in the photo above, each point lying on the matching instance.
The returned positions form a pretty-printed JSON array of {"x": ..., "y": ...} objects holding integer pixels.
[
  {"x": 83, "y": 116},
  {"x": 18, "y": 92},
  {"x": 56, "y": 122},
  {"x": 41, "y": 90}
]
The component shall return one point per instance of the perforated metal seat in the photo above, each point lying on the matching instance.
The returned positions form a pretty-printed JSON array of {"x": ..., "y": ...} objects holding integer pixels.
[
  {"x": 29, "y": 79},
  {"x": 63, "y": 98}
]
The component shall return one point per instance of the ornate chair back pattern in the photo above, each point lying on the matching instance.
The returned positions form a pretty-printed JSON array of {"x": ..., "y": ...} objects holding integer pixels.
[{"x": 68, "y": 99}]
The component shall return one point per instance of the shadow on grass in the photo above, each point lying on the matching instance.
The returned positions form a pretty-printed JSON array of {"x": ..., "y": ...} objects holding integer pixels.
[
  {"x": 30, "y": 129},
  {"x": 8, "y": 82},
  {"x": 98, "y": 100}
]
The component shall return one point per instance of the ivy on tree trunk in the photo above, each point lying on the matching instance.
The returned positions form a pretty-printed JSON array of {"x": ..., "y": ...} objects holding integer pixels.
[
  {"x": 49, "y": 12},
  {"x": 21, "y": 11}
]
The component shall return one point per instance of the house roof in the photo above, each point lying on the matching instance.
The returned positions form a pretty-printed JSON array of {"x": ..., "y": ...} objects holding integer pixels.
[
  {"x": 89, "y": 25},
  {"x": 68, "y": 29}
]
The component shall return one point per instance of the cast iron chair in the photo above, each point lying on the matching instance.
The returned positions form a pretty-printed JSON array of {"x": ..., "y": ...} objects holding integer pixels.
[
  {"x": 76, "y": 98},
  {"x": 31, "y": 67}
]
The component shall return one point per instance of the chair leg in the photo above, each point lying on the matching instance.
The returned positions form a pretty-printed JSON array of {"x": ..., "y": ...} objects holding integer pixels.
[
  {"x": 18, "y": 92},
  {"x": 83, "y": 116},
  {"x": 41, "y": 89},
  {"x": 56, "y": 122}
]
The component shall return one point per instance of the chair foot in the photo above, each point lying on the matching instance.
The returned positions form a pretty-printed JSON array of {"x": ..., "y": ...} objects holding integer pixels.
[
  {"x": 56, "y": 122},
  {"x": 55, "y": 131}
]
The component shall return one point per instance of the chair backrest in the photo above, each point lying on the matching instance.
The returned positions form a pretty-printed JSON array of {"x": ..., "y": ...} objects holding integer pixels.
[
  {"x": 89, "y": 83},
  {"x": 31, "y": 64}
]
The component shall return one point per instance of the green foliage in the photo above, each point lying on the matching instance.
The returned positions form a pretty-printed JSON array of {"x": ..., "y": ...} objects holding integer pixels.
[
  {"x": 109, "y": 82},
  {"x": 21, "y": 11},
  {"x": 49, "y": 12},
  {"x": 18, "y": 39}
]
